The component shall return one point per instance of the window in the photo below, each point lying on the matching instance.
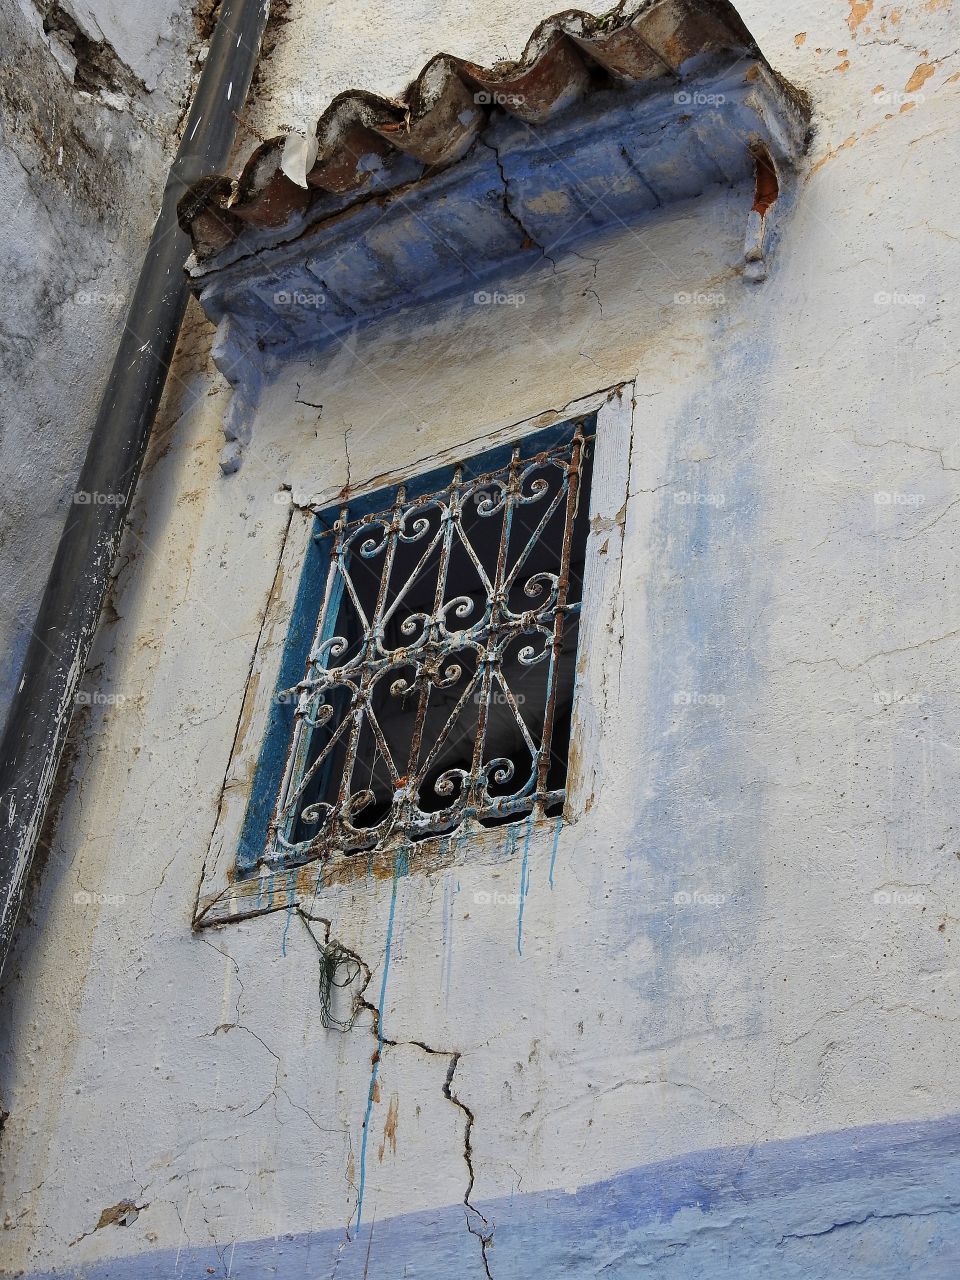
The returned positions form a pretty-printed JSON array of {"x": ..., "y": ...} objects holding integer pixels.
[
  {"x": 264, "y": 855},
  {"x": 438, "y": 686}
]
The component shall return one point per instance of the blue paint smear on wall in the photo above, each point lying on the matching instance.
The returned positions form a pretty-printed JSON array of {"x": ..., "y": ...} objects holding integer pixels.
[
  {"x": 524, "y": 883},
  {"x": 273, "y": 754},
  {"x": 875, "y": 1203},
  {"x": 291, "y": 898},
  {"x": 556, "y": 845},
  {"x": 697, "y": 823}
]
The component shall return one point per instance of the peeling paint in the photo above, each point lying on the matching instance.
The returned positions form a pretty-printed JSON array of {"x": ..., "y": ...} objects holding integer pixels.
[
  {"x": 663, "y": 1083},
  {"x": 859, "y": 11},
  {"x": 921, "y": 75}
]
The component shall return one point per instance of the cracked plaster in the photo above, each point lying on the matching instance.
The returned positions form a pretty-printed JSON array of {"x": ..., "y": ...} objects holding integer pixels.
[{"x": 785, "y": 1058}]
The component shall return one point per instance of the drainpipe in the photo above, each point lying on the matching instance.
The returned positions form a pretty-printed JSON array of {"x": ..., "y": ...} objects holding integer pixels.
[{"x": 39, "y": 716}]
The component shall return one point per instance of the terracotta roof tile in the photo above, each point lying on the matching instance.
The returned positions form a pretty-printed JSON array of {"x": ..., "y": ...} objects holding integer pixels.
[{"x": 367, "y": 145}]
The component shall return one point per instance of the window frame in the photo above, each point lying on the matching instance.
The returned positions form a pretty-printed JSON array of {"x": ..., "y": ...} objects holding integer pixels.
[
  {"x": 234, "y": 884},
  {"x": 395, "y": 514}
]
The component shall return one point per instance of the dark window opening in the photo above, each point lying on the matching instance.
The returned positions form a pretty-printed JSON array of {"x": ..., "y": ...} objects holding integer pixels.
[{"x": 439, "y": 689}]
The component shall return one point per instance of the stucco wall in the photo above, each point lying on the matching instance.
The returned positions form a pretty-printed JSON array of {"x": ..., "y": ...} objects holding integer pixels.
[
  {"x": 729, "y": 1044},
  {"x": 90, "y": 110}
]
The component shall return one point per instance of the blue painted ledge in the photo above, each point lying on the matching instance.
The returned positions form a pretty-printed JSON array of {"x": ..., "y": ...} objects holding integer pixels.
[{"x": 876, "y": 1203}]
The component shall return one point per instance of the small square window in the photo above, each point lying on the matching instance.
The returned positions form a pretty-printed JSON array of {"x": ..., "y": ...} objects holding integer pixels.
[{"x": 438, "y": 688}]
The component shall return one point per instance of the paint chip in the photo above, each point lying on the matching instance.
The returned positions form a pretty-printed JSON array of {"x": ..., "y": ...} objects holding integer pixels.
[
  {"x": 121, "y": 1215},
  {"x": 859, "y": 9},
  {"x": 920, "y": 77},
  {"x": 834, "y": 151}
]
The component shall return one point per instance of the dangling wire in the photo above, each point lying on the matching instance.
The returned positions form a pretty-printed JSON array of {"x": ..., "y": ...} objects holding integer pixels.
[{"x": 334, "y": 957}]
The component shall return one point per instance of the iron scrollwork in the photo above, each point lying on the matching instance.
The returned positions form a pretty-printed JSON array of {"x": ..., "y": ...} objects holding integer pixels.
[{"x": 454, "y": 648}]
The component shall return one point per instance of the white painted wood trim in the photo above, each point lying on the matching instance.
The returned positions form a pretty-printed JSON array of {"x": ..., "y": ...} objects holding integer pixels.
[
  {"x": 599, "y": 647},
  {"x": 222, "y": 896}
]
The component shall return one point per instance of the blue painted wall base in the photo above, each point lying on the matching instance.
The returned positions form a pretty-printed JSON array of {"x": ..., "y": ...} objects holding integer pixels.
[{"x": 877, "y": 1203}]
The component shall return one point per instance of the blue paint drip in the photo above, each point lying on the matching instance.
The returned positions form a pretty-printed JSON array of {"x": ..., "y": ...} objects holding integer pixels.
[
  {"x": 450, "y": 897},
  {"x": 510, "y": 843},
  {"x": 556, "y": 842},
  {"x": 524, "y": 885},
  {"x": 291, "y": 903},
  {"x": 399, "y": 868},
  {"x": 319, "y": 883}
]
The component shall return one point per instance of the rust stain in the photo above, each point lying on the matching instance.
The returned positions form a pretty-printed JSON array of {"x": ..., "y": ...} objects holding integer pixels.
[
  {"x": 799, "y": 38},
  {"x": 920, "y": 77},
  {"x": 376, "y": 1090},
  {"x": 877, "y": 88},
  {"x": 247, "y": 713},
  {"x": 573, "y": 759},
  {"x": 243, "y": 899},
  {"x": 934, "y": 133},
  {"x": 677, "y": 49},
  {"x": 859, "y": 9},
  {"x": 351, "y": 1170},
  {"x": 834, "y": 151},
  {"x": 895, "y": 16},
  {"x": 390, "y": 1127},
  {"x": 843, "y": 66},
  {"x": 952, "y": 79},
  {"x": 907, "y": 106},
  {"x": 932, "y": 6},
  {"x": 853, "y": 139}
]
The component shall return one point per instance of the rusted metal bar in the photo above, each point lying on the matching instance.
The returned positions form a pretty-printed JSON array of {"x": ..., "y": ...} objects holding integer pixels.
[{"x": 432, "y": 652}]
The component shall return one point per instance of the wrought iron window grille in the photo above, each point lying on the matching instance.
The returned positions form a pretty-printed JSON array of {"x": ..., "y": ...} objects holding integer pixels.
[{"x": 438, "y": 689}]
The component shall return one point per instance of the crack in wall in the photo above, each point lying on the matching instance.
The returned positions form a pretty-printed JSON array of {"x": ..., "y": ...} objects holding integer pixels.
[
  {"x": 477, "y": 1224},
  {"x": 529, "y": 241}
]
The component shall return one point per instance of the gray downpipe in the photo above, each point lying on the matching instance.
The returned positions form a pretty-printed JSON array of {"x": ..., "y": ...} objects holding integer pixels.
[{"x": 39, "y": 716}]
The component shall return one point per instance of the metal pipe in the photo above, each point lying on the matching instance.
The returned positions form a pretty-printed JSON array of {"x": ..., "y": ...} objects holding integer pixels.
[{"x": 39, "y": 716}]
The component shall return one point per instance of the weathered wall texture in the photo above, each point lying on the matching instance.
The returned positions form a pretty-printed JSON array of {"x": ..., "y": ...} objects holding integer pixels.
[
  {"x": 90, "y": 99},
  {"x": 729, "y": 1044}
]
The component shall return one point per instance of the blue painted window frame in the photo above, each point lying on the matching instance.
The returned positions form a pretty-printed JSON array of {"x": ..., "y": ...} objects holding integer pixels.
[{"x": 309, "y": 601}]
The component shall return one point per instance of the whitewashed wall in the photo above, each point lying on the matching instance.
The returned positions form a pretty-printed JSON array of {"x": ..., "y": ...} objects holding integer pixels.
[
  {"x": 749, "y": 948},
  {"x": 90, "y": 112}
]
